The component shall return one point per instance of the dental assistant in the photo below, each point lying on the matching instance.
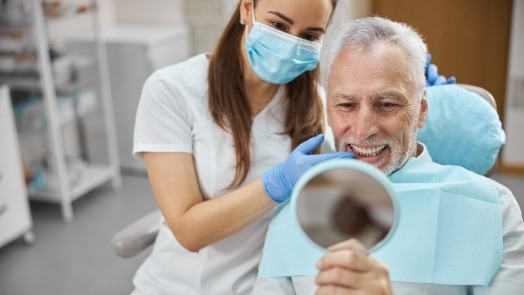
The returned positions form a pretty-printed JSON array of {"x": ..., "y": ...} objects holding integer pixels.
[{"x": 224, "y": 138}]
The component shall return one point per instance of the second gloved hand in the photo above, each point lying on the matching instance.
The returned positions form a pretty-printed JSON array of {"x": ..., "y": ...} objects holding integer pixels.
[
  {"x": 432, "y": 76},
  {"x": 279, "y": 181}
]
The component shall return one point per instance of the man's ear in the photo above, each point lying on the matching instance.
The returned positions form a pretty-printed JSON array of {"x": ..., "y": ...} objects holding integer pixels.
[{"x": 423, "y": 111}]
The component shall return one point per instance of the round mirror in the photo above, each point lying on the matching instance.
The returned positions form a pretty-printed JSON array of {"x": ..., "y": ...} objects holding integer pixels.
[{"x": 342, "y": 199}]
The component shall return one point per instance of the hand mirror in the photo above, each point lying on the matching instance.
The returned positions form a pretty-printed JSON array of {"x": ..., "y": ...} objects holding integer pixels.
[{"x": 342, "y": 199}]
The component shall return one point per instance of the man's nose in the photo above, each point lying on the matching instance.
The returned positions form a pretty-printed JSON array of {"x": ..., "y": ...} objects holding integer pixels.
[{"x": 366, "y": 124}]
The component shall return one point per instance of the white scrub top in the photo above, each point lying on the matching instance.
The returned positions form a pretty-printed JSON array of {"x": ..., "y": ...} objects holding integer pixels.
[{"x": 173, "y": 116}]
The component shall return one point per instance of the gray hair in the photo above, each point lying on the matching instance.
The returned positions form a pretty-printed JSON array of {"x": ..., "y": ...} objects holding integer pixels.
[{"x": 362, "y": 34}]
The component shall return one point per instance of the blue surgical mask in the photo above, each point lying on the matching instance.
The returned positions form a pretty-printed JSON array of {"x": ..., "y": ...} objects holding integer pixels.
[{"x": 277, "y": 57}]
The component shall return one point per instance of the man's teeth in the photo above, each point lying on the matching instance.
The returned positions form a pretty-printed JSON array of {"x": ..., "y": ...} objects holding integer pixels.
[{"x": 368, "y": 152}]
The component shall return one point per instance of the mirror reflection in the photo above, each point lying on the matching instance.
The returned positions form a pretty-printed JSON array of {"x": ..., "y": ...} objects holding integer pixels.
[{"x": 344, "y": 203}]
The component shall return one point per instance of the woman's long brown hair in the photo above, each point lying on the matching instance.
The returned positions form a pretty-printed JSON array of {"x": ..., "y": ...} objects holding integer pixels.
[{"x": 230, "y": 108}]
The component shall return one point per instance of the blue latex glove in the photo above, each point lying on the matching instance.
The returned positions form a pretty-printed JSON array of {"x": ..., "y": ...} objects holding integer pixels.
[
  {"x": 278, "y": 182},
  {"x": 432, "y": 76}
]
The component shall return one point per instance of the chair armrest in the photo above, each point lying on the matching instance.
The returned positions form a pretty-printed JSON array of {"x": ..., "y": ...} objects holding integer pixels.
[{"x": 137, "y": 236}]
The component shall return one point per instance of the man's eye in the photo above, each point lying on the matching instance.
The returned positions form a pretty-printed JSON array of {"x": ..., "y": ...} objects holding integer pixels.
[
  {"x": 387, "y": 106},
  {"x": 346, "y": 105}
]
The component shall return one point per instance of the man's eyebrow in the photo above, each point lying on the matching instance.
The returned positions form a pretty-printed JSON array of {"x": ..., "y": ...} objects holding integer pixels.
[
  {"x": 291, "y": 22},
  {"x": 343, "y": 96},
  {"x": 390, "y": 95}
]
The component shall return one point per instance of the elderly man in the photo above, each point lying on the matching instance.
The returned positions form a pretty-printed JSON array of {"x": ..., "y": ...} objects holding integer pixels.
[{"x": 376, "y": 104}]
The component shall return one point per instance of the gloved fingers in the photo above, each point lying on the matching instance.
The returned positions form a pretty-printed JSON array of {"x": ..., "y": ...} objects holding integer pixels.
[
  {"x": 308, "y": 146},
  {"x": 451, "y": 80},
  {"x": 432, "y": 76},
  {"x": 431, "y": 73},
  {"x": 428, "y": 59},
  {"x": 440, "y": 80}
]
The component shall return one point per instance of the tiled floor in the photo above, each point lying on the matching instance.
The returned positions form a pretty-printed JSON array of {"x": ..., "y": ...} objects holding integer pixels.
[{"x": 76, "y": 257}]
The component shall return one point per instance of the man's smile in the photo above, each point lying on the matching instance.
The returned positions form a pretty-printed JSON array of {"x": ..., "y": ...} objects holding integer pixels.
[{"x": 369, "y": 151}]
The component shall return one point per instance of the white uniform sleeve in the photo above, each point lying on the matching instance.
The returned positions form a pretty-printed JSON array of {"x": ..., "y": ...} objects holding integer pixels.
[
  {"x": 509, "y": 278},
  {"x": 162, "y": 120}
]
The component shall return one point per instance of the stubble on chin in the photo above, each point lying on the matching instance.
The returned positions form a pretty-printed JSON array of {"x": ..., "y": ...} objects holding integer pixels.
[{"x": 399, "y": 158}]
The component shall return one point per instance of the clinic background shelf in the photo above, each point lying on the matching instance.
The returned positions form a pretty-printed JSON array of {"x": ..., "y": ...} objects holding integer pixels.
[
  {"x": 17, "y": 81},
  {"x": 15, "y": 28},
  {"x": 65, "y": 103},
  {"x": 92, "y": 176}
]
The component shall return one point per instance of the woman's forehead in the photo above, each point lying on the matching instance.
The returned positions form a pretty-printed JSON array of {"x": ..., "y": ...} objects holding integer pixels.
[{"x": 314, "y": 13}]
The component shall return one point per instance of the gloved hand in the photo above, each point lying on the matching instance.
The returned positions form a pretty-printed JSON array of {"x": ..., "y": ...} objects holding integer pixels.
[
  {"x": 279, "y": 181},
  {"x": 432, "y": 76}
]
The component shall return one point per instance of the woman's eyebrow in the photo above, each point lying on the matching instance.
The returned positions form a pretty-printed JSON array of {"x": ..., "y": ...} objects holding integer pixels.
[
  {"x": 287, "y": 19},
  {"x": 291, "y": 22}
]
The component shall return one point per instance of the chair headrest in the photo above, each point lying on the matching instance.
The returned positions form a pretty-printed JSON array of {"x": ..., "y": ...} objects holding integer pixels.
[{"x": 461, "y": 129}]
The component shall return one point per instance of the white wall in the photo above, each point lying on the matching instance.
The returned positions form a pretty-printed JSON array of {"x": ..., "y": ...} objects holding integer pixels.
[
  {"x": 514, "y": 111},
  {"x": 149, "y": 11},
  {"x": 206, "y": 18},
  {"x": 64, "y": 28}
]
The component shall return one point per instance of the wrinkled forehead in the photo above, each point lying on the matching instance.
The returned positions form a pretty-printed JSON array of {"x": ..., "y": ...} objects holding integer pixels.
[{"x": 384, "y": 67}]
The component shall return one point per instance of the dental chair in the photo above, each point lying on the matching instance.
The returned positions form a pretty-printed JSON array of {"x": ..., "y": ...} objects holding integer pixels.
[{"x": 448, "y": 106}]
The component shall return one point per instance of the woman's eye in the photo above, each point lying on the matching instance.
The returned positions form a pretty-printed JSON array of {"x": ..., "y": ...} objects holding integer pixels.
[
  {"x": 310, "y": 37},
  {"x": 279, "y": 26}
]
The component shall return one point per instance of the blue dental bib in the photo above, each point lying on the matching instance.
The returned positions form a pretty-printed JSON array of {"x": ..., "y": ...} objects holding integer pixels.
[{"x": 449, "y": 230}]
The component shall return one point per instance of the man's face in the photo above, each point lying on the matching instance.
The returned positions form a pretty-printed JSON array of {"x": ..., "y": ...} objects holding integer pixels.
[{"x": 372, "y": 109}]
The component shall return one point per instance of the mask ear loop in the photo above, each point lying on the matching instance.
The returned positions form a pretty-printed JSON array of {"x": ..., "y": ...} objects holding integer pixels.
[
  {"x": 252, "y": 17},
  {"x": 253, "y": 11}
]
